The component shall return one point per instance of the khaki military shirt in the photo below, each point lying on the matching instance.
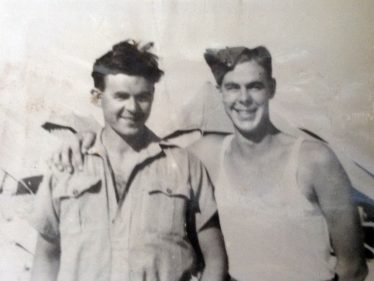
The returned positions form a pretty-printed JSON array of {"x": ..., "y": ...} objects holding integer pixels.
[{"x": 102, "y": 238}]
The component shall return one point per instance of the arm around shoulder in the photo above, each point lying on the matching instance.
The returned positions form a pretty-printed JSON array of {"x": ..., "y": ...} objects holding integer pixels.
[
  {"x": 332, "y": 190},
  {"x": 208, "y": 150}
]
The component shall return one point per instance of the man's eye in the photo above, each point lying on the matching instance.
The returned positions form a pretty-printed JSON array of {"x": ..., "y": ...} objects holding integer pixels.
[
  {"x": 231, "y": 87},
  {"x": 122, "y": 96},
  {"x": 257, "y": 86},
  {"x": 143, "y": 98}
]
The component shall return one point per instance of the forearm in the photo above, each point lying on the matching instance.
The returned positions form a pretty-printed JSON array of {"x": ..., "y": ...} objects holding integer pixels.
[
  {"x": 214, "y": 270},
  {"x": 72, "y": 121},
  {"x": 214, "y": 254},
  {"x": 347, "y": 242},
  {"x": 347, "y": 271}
]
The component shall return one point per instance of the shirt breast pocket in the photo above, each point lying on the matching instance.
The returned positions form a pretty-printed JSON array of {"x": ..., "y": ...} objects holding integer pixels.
[
  {"x": 70, "y": 219},
  {"x": 76, "y": 206},
  {"x": 164, "y": 209}
]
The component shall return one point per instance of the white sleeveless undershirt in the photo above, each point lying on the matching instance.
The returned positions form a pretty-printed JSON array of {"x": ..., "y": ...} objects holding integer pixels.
[{"x": 279, "y": 236}]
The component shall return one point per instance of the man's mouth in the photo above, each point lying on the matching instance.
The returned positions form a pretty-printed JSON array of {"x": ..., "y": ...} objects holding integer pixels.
[
  {"x": 133, "y": 119},
  {"x": 246, "y": 112}
]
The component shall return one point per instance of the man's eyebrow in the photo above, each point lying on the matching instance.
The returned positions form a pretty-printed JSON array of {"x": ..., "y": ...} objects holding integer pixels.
[
  {"x": 255, "y": 83},
  {"x": 121, "y": 94},
  {"x": 146, "y": 92},
  {"x": 230, "y": 84}
]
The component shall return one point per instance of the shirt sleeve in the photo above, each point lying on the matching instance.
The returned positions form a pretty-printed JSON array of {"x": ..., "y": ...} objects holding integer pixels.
[
  {"x": 203, "y": 202},
  {"x": 44, "y": 217}
]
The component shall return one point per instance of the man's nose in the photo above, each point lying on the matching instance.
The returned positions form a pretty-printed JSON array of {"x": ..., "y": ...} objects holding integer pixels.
[
  {"x": 131, "y": 105},
  {"x": 245, "y": 96}
]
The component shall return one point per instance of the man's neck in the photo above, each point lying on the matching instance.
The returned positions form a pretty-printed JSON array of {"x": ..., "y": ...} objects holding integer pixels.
[
  {"x": 255, "y": 143},
  {"x": 120, "y": 145}
]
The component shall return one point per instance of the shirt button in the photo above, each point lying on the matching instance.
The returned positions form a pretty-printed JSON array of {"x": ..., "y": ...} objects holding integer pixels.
[
  {"x": 169, "y": 191},
  {"x": 75, "y": 192}
]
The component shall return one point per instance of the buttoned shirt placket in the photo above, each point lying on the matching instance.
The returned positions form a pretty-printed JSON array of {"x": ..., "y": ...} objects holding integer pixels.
[{"x": 120, "y": 213}]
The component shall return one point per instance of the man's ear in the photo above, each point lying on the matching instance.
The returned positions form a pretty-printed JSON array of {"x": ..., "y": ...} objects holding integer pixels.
[
  {"x": 96, "y": 96},
  {"x": 219, "y": 88},
  {"x": 273, "y": 85}
]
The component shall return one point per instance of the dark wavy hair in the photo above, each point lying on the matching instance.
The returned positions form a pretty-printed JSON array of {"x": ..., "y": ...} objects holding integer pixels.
[{"x": 128, "y": 58}]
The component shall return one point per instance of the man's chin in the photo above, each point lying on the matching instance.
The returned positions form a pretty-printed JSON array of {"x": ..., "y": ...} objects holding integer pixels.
[
  {"x": 246, "y": 126},
  {"x": 131, "y": 131}
]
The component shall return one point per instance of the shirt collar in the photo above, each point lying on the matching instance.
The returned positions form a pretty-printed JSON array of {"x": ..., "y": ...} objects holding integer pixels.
[{"x": 154, "y": 147}]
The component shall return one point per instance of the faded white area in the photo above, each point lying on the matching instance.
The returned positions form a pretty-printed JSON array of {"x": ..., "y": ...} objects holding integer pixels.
[{"x": 323, "y": 59}]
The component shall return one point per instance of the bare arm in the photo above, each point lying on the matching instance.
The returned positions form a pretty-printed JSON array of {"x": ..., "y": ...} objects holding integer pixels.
[
  {"x": 213, "y": 251},
  {"x": 46, "y": 260},
  {"x": 204, "y": 209},
  {"x": 208, "y": 149},
  {"x": 332, "y": 189}
]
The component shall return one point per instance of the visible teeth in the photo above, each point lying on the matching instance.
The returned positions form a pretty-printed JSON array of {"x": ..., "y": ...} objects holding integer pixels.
[
  {"x": 246, "y": 113},
  {"x": 246, "y": 110}
]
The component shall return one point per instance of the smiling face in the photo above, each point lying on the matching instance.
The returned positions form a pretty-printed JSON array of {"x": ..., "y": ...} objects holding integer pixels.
[
  {"x": 246, "y": 91},
  {"x": 126, "y": 103}
]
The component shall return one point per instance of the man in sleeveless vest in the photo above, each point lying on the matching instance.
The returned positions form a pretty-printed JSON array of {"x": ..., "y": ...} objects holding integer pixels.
[{"x": 284, "y": 202}]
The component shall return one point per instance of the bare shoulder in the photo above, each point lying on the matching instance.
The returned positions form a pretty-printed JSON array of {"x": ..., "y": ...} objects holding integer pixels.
[
  {"x": 208, "y": 150},
  {"x": 208, "y": 144},
  {"x": 320, "y": 169},
  {"x": 316, "y": 153}
]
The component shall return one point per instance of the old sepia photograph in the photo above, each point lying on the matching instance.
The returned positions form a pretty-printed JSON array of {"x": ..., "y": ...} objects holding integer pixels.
[{"x": 186, "y": 140}]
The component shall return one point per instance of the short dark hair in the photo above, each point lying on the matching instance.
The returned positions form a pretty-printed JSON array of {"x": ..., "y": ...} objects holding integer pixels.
[{"x": 128, "y": 58}]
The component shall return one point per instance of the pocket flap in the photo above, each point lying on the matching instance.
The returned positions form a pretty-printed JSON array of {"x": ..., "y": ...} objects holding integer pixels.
[
  {"x": 75, "y": 185},
  {"x": 169, "y": 190}
]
